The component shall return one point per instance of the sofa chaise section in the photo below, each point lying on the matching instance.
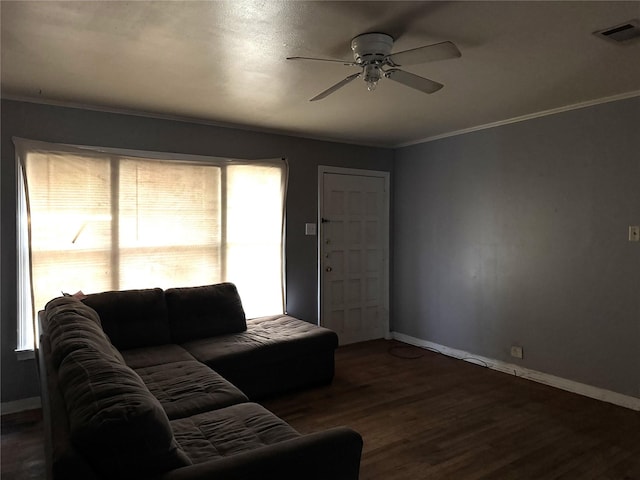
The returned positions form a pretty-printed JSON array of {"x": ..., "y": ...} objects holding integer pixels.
[
  {"x": 261, "y": 356},
  {"x": 273, "y": 355}
]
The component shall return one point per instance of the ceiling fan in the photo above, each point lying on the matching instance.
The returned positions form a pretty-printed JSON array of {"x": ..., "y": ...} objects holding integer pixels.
[{"x": 372, "y": 54}]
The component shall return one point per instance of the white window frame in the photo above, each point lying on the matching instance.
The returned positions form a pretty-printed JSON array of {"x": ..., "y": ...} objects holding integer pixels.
[{"x": 27, "y": 334}]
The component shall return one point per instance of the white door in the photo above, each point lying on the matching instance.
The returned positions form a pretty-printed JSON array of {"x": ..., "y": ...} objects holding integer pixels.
[{"x": 354, "y": 243}]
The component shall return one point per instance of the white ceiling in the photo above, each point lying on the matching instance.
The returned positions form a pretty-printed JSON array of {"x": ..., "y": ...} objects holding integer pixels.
[{"x": 224, "y": 61}]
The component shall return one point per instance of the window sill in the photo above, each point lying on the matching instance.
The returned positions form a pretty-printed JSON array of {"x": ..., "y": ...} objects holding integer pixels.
[{"x": 25, "y": 355}]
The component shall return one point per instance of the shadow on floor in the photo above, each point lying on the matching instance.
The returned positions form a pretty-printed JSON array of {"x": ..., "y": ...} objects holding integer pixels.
[{"x": 22, "y": 446}]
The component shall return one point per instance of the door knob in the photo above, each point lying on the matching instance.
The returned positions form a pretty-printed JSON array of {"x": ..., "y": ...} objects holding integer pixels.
[{"x": 328, "y": 269}]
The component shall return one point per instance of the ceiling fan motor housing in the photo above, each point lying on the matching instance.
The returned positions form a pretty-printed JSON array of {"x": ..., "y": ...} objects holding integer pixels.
[{"x": 371, "y": 47}]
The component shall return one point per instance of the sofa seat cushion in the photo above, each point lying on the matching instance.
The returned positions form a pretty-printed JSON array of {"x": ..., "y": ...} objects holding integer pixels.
[
  {"x": 229, "y": 431},
  {"x": 132, "y": 318},
  {"x": 114, "y": 421},
  {"x": 274, "y": 354},
  {"x": 198, "y": 312},
  {"x": 157, "y": 355},
  {"x": 188, "y": 388}
]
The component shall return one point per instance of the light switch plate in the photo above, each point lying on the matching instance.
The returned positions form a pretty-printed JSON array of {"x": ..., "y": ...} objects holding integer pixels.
[
  {"x": 309, "y": 228},
  {"x": 634, "y": 233}
]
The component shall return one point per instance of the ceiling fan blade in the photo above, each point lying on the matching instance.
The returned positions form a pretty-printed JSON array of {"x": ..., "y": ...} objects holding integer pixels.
[
  {"x": 343, "y": 62},
  {"x": 430, "y": 53},
  {"x": 414, "y": 81},
  {"x": 337, "y": 86}
]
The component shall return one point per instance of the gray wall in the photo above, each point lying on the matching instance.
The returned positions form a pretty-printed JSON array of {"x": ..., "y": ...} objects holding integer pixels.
[
  {"x": 518, "y": 235},
  {"x": 68, "y": 125}
]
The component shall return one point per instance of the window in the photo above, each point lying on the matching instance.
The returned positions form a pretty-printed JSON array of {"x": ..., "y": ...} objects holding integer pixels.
[{"x": 112, "y": 220}]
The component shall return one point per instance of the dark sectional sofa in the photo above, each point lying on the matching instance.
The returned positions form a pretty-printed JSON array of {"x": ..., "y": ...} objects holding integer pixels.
[{"x": 160, "y": 384}]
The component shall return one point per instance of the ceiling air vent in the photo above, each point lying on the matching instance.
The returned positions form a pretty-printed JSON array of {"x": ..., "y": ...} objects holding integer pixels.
[{"x": 623, "y": 33}]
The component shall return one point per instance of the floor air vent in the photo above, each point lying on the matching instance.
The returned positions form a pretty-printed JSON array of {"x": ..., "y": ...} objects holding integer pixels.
[{"x": 623, "y": 33}]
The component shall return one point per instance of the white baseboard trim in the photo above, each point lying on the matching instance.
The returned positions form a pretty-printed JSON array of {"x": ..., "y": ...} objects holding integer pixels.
[
  {"x": 21, "y": 405},
  {"x": 569, "y": 385}
]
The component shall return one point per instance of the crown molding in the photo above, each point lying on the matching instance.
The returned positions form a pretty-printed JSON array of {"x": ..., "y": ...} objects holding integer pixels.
[{"x": 523, "y": 118}]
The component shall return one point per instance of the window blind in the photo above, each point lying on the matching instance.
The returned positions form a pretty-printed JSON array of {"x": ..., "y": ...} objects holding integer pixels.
[{"x": 116, "y": 220}]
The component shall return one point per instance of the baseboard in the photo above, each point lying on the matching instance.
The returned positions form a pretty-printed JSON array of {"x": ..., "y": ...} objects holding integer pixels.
[
  {"x": 562, "y": 383},
  {"x": 22, "y": 405}
]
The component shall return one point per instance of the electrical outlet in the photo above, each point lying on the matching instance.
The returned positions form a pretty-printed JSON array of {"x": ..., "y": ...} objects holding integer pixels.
[
  {"x": 516, "y": 351},
  {"x": 634, "y": 233}
]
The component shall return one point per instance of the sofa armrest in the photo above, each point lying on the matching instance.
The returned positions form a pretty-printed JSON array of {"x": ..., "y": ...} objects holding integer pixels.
[
  {"x": 332, "y": 454},
  {"x": 61, "y": 458}
]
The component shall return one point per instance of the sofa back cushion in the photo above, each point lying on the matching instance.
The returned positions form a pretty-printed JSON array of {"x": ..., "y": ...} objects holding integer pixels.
[
  {"x": 114, "y": 421},
  {"x": 132, "y": 318},
  {"x": 70, "y": 326},
  {"x": 207, "y": 311}
]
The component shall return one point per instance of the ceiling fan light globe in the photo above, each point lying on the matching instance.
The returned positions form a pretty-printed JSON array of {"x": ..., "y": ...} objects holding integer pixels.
[{"x": 372, "y": 73}]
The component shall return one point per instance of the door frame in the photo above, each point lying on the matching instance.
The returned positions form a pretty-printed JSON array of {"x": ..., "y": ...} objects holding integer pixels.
[{"x": 322, "y": 169}]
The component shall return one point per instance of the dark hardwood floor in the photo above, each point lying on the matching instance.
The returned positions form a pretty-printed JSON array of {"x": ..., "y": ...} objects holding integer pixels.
[
  {"x": 22, "y": 454},
  {"x": 426, "y": 416}
]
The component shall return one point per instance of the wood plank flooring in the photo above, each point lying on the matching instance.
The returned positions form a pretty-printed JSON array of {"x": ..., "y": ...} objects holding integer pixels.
[
  {"x": 426, "y": 416},
  {"x": 22, "y": 454}
]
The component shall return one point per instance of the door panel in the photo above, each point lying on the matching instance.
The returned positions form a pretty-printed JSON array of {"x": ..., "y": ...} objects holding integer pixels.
[{"x": 354, "y": 245}]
